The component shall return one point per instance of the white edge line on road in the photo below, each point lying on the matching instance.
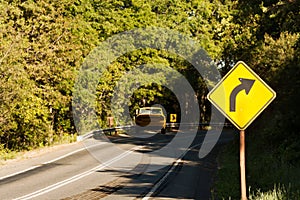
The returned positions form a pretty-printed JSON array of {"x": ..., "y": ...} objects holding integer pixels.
[
  {"x": 76, "y": 177},
  {"x": 19, "y": 172},
  {"x": 79, "y": 176},
  {"x": 160, "y": 182},
  {"x": 51, "y": 161},
  {"x": 73, "y": 152}
]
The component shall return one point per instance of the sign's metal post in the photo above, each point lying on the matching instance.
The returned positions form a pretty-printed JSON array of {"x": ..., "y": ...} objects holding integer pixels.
[
  {"x": 242, "y": 165},
  {"x": 241, "y": 96}
]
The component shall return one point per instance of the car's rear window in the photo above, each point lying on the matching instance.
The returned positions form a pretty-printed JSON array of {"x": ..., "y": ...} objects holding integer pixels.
[{"x": 150, "y": 111}]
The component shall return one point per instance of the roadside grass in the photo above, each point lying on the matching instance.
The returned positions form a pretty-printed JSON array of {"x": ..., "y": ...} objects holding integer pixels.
[
  {"x": 7, "y": 154},
  {"x": 64, "y": 139},
  {"x": 277, "y": 193},
  {"x": 268, "y": 176}
]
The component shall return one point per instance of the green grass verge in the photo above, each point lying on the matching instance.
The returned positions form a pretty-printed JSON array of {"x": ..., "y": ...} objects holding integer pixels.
[
  {"x": 268, "y": 176},
  {"x": 7, "y": 154}
]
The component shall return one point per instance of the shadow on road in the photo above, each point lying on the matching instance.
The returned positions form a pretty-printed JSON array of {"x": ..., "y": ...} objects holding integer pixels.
[{"x": 192, "y": 177}]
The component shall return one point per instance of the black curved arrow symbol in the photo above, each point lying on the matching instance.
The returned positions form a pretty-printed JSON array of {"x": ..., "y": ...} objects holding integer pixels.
[{"x": 246, "y": 84}]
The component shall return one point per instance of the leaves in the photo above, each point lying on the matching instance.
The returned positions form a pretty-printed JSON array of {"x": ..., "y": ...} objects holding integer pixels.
[{"x": 44, "y": 43}]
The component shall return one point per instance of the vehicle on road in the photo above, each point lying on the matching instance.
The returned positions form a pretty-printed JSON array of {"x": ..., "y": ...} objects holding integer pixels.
[{"x": 151, "y": 117}]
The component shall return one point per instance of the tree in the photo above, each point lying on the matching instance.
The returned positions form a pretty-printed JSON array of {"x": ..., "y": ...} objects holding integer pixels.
[
  {"x": 44, "y": 43},
  {"x": 40, "y": 51},
  {"x": 204, "y": 21},
  {"x": 270, "y": 45}
]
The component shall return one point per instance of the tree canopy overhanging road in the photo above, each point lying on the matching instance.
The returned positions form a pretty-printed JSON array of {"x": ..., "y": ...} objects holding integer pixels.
[{"x": 45, "y": 43}]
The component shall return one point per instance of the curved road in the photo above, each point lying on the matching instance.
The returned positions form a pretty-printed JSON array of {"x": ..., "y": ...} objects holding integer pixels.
[{"x": 95, "y": 169}]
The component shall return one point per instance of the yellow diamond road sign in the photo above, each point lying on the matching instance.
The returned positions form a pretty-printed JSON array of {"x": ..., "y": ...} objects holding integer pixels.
[{"x": 241, "y": 95}]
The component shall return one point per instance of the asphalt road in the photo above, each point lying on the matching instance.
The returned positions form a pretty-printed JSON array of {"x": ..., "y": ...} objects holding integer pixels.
[{"x": 117, "y": 169}]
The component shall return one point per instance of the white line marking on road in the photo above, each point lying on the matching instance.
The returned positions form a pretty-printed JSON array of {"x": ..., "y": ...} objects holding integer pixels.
[
  {"x": 19, "y": 172},
  {"x": 73, "y": 152},
  {"x": 158, "y": 184},
  {"x": 76, "y": 177},
  {"x": 51, "y": 161},
  {"x": 162, "y": 180}
]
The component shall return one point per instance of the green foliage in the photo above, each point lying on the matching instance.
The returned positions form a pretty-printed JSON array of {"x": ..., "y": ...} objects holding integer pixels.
[
  {"x": 278, "y": 193},
  {"x": 199, "y": 19},
  {"x": 267, "y": 176},
  {"x": 6, "y": 154},
  {"x": 37, "y": 71},
  {"x": 43, "y": 44},
  {"x": 281, "y": 69},
  {"x": 272, "y": 50}
]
